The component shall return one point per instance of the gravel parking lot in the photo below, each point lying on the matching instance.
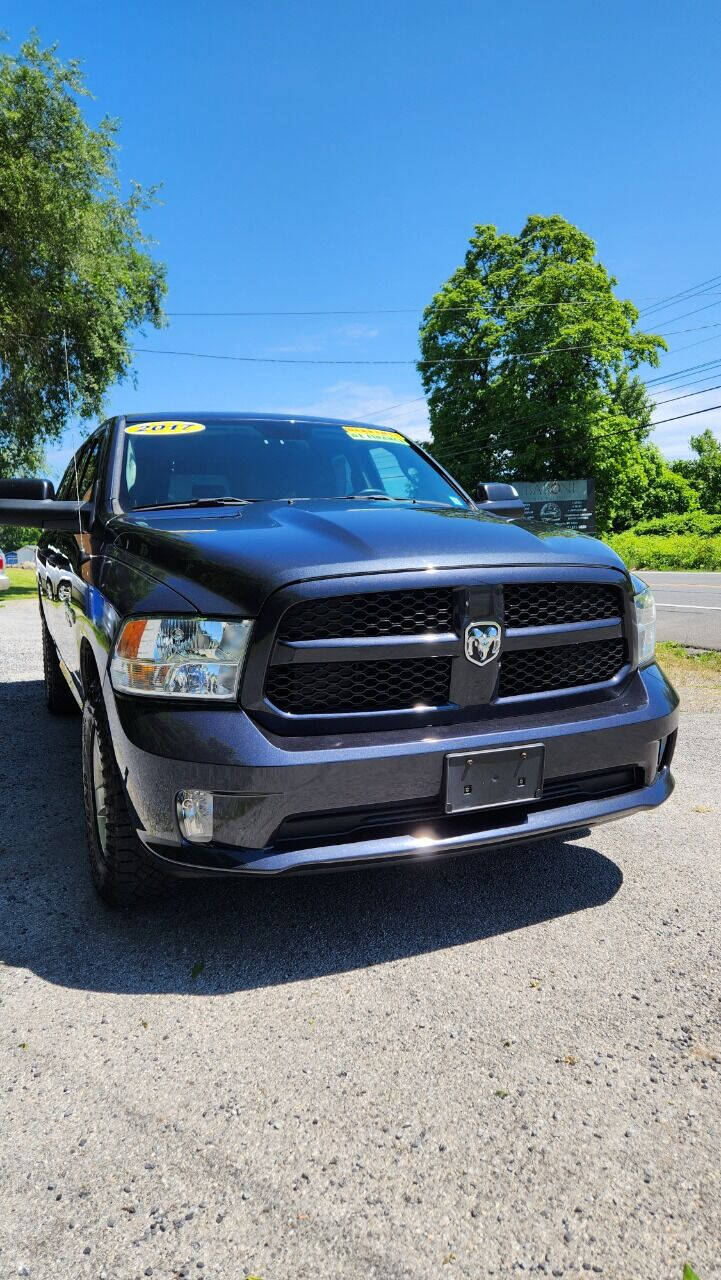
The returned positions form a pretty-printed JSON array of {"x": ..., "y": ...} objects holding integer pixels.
[{"x": 498, "y": 1064}]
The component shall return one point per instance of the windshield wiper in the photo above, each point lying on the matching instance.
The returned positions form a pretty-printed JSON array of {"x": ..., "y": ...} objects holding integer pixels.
[
  {"x": 198, "y": 502},
  {"x": 375, "y": 497},
  {"x": 342, "y": 497}
]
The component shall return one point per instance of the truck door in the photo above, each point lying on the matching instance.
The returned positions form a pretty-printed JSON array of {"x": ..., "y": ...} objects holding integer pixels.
[
  {"x": 68, "y": 559},
  {"x": 53, "y": 564}
]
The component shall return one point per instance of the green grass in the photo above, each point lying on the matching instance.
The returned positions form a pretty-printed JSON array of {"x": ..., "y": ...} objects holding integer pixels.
[
  {"x": 22, "y": 585},
  {"x": 696, "y": 676},
  {"x": 676, "y": 655}
]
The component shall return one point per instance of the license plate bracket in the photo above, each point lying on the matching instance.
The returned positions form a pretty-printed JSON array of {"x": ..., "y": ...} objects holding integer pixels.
[{"x": 490, "y": 779}]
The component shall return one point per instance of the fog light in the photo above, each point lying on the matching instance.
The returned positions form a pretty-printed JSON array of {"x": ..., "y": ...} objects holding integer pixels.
[{"x": 195, "y": 815}]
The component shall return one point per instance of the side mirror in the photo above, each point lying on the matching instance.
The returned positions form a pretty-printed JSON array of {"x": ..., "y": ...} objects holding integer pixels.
[
  {"x": 27, "y": 487},
  {"x": 32, "y": 502},
  {"x": 499, "y": 500}
]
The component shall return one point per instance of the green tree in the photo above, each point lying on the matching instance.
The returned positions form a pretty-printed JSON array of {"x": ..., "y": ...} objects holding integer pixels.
[
  {"x": 528, "y": 359},
  {"x": 14, "y": 536},
  {"x": 647, "y": 488},
  {"x": 704, "y": 471},
  {"x": 73, "y": 258}
]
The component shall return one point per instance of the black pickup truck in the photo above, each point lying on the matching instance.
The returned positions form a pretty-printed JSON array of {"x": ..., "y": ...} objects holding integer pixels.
[{"x": 298, "y": 644}]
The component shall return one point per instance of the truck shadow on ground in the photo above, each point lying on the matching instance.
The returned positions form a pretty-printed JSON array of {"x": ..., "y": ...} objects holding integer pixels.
[{"x": 213, "y": 936}]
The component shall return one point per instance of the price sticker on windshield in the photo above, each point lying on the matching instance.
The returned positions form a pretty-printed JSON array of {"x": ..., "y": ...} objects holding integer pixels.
[
  {"x": 374, "y": 433},
  {"x": 164, "y": 428}
]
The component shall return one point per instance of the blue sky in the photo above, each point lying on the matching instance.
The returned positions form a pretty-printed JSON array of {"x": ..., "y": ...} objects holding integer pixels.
[{"x": 318, "y": 156}]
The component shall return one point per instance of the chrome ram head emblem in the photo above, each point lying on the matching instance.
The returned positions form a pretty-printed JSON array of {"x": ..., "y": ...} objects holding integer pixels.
[{"x": 483, "y": 641}]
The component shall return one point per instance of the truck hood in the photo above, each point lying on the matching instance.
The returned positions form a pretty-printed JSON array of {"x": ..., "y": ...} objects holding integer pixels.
[{"x": 234, "y": 557}]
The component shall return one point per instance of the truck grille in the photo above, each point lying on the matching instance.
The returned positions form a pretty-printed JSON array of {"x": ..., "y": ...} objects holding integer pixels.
[
  {"x": 409, "y": 673},
  {"x": 326, "y": 688},
  {"x": 564, "y": 667},
  {"x": 546, "y": 604},
  {"x": 382, "y": 613}
]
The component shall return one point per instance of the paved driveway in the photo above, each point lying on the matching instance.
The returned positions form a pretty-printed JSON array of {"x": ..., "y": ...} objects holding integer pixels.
[{"x": 496, "y": 1065}]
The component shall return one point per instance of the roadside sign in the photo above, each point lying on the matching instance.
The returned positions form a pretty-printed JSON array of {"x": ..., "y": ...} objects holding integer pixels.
[{"x": 570, "y": 504}]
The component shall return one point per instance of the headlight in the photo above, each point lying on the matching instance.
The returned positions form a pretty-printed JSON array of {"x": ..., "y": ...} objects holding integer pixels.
[
  {"x": 645, "y": 607},
  {"x": 180, "y": 657}
]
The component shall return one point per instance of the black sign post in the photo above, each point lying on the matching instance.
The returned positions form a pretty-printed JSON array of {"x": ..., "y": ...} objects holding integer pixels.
[{"x": 568, "y": 504}]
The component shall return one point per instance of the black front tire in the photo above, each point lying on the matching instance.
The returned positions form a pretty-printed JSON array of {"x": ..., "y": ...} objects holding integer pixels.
[
  {"x": 59, "y": 699},
  {"x": 121, "y": 869}
]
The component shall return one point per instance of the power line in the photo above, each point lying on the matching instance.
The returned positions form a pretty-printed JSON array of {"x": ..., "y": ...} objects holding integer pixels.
[
  {"x": 707, "y": 307},
  {"x": 691, "y": 291},
  {"x": 700, "y": 342},
  {"x": 510, "y": 431},
  {"x": 669, "y": 400},
  {"x": 507, "y": 432},
  {"x": 708, "y": 365},
  {"x": 691, "y": 368},
  {"x": 384, "y": 412},
  {"x": 615, "y": 433},
  {"x": 439, "y": 359},
  {"x": 694, "y": 414},
  {"x": 403, "y": 404},
  {"x": 653, "y": 305},
  {"x": 697, "y": 328},
  {"x": 696, "y": 290},
  {"x": 378, "y": 311},
  {"x": 417, "y": 310},
  {"x": 307, "y": 360},
  {"x": 675, "y": 302}
]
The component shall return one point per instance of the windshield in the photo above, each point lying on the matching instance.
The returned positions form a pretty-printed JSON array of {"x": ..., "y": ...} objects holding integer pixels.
[{"x": 181, "y": 462}]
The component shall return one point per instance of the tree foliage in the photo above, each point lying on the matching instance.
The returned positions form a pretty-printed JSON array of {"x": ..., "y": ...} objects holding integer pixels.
[
  {"x": 648, "y": 487},
  {"x": 73, "y": 258},
  {"x": 704, "y": 471},
  {"x": 12, "y": 537},
  {"x": 529, "y": 362}
]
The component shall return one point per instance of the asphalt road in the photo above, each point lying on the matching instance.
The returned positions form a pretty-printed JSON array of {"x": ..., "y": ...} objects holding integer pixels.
[
  {"x": 688, "y": 607},
  {"x": 495, "y": 1065}
]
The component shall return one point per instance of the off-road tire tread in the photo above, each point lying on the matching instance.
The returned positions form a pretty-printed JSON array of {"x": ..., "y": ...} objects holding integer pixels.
[
  {"x": 58, "y": 698},
  {"x": 123, "y": 874}
]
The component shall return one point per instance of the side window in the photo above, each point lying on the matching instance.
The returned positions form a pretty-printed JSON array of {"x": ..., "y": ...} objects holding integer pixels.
[
  {"x": 91, "y": 462},
  {"x": 66, "y": 488},
  {"x": 130, "y": 471}
]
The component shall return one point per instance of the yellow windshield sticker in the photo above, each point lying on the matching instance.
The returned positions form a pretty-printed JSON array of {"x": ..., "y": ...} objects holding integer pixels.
[
  {"x": 374, "y": 433},
  {"x": 164, "y": 428}
]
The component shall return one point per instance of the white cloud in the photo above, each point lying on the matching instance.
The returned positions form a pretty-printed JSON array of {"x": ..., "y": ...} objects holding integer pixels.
[
  {"x": 350, "y": 333},
  {"x": 306, "y": 345},
  {"x": 672, "y": 437},
  {"x": 313, "y": 344},
  {"x": 363, "y": 400}
]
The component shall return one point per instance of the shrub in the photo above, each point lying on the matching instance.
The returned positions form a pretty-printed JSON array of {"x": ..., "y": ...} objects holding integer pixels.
[
  {"x": 698, "y": 522},
  {"x": 669, "y": 551}
]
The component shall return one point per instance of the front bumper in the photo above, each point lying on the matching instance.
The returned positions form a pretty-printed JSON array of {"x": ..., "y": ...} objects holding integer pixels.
[{"x": 264, "y": 785}]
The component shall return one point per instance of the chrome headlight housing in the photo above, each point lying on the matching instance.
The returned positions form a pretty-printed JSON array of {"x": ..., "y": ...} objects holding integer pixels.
[
  {"x": 180, "y": 657},
  {"x": 645, "y": 621}
]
